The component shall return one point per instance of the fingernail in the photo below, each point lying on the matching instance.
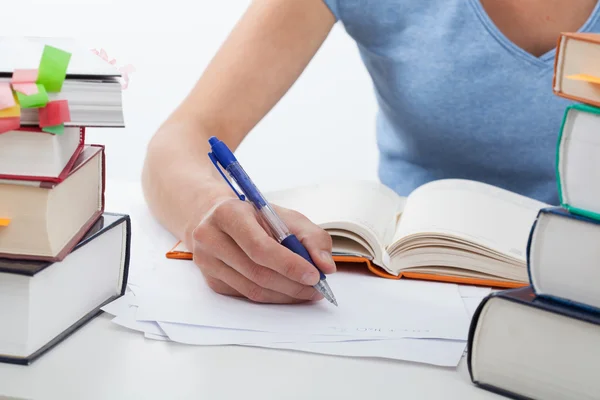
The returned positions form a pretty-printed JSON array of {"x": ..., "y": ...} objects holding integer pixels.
[
  {"x": 326, "y": 256},
  {"x": 310, "y": 278}
]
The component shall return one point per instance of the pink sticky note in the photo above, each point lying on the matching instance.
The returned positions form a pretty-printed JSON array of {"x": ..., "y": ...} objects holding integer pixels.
[
  {"x": 24, "y": 76},
  {"x": 25, "y": 88},
  {"x": 54, "y": 113},
  {"x": 9, "y": 124},
  {"x": 7, "y": 99}
]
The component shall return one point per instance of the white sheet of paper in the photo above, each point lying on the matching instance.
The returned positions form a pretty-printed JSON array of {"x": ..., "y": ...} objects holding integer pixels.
[
  {"x": 211, "y": 336},
  {"x": 127, "y": 320},
  {"x": 120, "y": 305},
  {"x": 473, "y": 291},
  {"x": 156, "y": 337},
  {"x": 369, "y": 307},
  {"x": 443, "y": 353},
  {"x": 471, "y": 304}
]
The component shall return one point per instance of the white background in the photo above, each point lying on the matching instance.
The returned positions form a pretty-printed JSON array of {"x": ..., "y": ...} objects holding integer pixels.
[{"x": 324, "y": 128}]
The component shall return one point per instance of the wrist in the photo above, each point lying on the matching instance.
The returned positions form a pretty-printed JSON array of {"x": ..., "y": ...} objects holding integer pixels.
[{"x": 212, "y": 196}]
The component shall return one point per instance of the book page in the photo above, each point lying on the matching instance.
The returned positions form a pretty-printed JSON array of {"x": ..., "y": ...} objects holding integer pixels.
[
  {"x": 474, "y": 211},
  {"x": 26, "y": 52},
  {"x": 367, "y": 204}
]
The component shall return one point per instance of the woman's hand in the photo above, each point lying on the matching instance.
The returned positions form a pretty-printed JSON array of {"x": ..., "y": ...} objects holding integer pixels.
[{"x": 238, "y": 256}]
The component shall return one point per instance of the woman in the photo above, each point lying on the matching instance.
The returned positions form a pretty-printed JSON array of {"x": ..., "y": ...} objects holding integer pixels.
[{"x": 464, "y": 91}]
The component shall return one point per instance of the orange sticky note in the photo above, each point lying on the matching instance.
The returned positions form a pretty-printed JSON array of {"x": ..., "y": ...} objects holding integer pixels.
[
  {"x": 4, "y": 221},
  {"x": 24, "y": 76},
  {"x": 54, "y": 113},
  {"x": 7, "y": 99},
  {"x": 26, "y": 88},
  {"x": 9, "y": 124},
  {"x": 14, "y": 111},
  {"x": 584, "y": 77}
]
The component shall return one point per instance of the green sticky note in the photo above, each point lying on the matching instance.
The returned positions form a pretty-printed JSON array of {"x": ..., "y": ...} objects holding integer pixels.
[
  {"x": 55, "y": 129},
  {"x": 53, "y": 68},
  {"x": 40, "y": 99}
]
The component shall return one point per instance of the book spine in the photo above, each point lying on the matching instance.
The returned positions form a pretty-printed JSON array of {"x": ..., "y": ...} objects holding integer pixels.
[
  {"x": 529, "y": 243},
  {"x": 559, "y": 149}
]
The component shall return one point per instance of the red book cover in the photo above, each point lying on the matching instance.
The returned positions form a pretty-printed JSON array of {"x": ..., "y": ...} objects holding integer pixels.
[{"x": 66, "y": 171}]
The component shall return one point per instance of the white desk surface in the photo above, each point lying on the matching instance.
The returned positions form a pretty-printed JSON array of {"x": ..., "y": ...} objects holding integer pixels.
[{"x": 105, "y": 361}]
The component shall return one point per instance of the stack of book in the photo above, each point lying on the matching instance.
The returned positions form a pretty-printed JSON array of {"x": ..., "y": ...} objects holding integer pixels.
[
  {"x": 543, "y": 341},
  {"x": 62, "y": 257}
]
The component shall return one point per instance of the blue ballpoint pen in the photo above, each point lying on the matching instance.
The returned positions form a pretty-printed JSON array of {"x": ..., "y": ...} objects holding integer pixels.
[{"x": 220, "y": 154}]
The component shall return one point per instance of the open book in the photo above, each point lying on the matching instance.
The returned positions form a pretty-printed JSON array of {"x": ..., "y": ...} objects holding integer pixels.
[{"x": 448, "y": 230}]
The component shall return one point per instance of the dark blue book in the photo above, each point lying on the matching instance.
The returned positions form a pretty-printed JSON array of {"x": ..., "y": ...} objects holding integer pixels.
[
  {"x": 563, "y": 258},
  {"x": 42, "y": 303},
  {"x": 526, "y": 347}
]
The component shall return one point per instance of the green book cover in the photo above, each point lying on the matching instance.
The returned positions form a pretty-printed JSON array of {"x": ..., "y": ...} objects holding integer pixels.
[{"x": 575, "y": 107}]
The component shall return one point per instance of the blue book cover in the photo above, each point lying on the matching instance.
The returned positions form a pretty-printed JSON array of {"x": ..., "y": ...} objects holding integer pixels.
[
  {"x": 561, "y": 212},
  {"x": 527, "y": 298}
]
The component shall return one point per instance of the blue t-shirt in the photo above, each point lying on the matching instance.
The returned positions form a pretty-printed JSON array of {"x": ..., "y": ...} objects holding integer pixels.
[{"x": 457, "y": 99}]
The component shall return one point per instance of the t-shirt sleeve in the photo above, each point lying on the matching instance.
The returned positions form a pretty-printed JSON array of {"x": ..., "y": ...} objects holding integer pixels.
[{"x": 333, "y": 6}]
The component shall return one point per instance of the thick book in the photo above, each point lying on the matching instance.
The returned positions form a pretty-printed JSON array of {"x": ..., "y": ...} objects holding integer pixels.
[
  {"x": 562, "y": 257},
  {"x": 91, "y": 86},
  {"x": 578, "y": 160},
  {"x": 525, "y": 347},
  {"x": 32, "y": 154},
  {"x": 576, "y": 74},
  {"x": 449, "y": 230},
  {"x": 42, "y": 303},
  {"x": 45, "y": 220}
]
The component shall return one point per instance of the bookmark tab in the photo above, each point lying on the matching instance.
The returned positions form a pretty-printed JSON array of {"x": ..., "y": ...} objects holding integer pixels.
[
  {"x": 4, "y": 222},
  {"x": 9, "y": 124},
  {"x": 585, "y": 77},
  {"x": 7, "y": 100},
  {"x": 24, "y": 76},
  {"x": 14, "y": 111},
  {"x": 55, "y": 113},
  {"x": 55, "y": 130},
  {"x": 53, "y": 68},
  {"x": 27, "y": 89},
  {"x": 40, "y": 99}
]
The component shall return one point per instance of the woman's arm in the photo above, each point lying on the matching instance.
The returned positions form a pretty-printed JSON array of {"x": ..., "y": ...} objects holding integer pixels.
[{"x": 263, "y": 56}]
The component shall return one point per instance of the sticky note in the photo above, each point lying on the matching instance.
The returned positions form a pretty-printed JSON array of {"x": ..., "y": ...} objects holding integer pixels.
[
  {"x": 40, "y": 99},
  {"x": 26, "y": 88},
  {"x": 584, "y": 77},
  {"x": 53, "y": 68},
  {"x": 4, "y": 221},
  {"x": 7, "y": 99},
  {"x": 24, "y": 76},
  {"x": 14, "y": 111},
  {"x": 56, "y": 129},
  {"x": 56, "y": 112},
  {"x": 9, "y": 124}
]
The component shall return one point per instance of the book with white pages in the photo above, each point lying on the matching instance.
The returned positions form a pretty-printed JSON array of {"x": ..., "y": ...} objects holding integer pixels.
[
  {"x": 450, "y": 230},
  {"x": 92, "y": 86}
]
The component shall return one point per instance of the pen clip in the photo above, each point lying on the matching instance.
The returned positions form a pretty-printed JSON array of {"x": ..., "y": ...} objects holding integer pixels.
[{"x": 215, "y": 162}]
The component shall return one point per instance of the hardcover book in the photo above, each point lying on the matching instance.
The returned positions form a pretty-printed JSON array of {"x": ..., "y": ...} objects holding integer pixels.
[
  {"x": 42, "y": 303},
  {"x": 34, "y": 155},
  {"x": 577, "y": 161},
  {"x": 576, "y": 74},
  {"x": 524, "y": 347},
  {"x": 450, "y": 230},
  {"x": 563, "y": 253},
  {"x": 45, "y": 220}
]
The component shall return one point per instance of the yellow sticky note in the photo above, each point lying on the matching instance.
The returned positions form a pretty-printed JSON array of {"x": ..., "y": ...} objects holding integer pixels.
[
  {"x": 14, "y": 111},
  {"x": 4, "y": 221},
  {"x": 585, "y": 77}
]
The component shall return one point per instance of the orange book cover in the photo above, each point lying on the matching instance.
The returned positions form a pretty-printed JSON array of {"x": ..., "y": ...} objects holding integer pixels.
[
  {"x": 180, "y": 252},
  {"x": 581, "y": 76}
]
